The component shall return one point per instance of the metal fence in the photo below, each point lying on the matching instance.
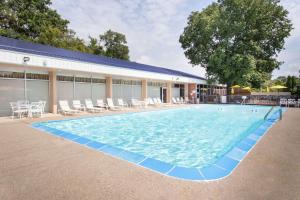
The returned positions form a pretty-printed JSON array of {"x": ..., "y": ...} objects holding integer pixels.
[{"x": 250, "y": 99}]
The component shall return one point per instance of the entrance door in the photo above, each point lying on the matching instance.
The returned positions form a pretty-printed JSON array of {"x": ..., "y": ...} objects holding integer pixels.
[{"x": 163, "y": 94}]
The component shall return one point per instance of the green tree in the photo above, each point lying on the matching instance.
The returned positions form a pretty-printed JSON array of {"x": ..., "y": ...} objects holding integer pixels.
[
  {"x": 115, "y": 45},
  {"x": 291, "y": 83},
  {"x": 237, "y": 41},
  {"x": 28, "y": 19},
  {"x": 95, "y": 46}
]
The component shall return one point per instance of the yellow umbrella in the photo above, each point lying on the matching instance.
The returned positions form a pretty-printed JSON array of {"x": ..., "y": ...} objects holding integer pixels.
[
  {"x": 236, "y": 86},
  {"x": 278, "y": 87},
  {"x": 246, "y": 88}
]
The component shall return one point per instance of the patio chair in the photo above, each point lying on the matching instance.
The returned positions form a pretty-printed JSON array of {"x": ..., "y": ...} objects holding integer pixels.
[
  {"x": 122, "y": 104},
  {"x": 111, "y": 105},
  {"x": 291, "y": 102},
  {"x": 283, "y": 102},
  {"x": 16, "y": 110},
  {"x": 162, "y": 103},
  {"x": 101, "y": 104},
  {"x": 65, "y": 108},
  {"x": 136, "y": 103},
  {"x": 35, "y": 108},
  {"x": 182, "y": 100},
  {"x": 179, "y": 101},
  {"x": 151, "y": 102},
  {"x": 43, "y": 105},
  {"x": 90, "y": 107},
  {"x": 78, "y": 106},
  {"x": 174, "y": 101}
]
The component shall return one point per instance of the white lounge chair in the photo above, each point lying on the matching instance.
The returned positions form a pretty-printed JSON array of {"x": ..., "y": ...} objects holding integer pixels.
[
  {"x": 156, "y": 102},
  {"x": 65, "y": 108},
  {"x": 101, "y": 104},
  {"x": 111, "y": 105},
  {"x": 174, "y": 101},
  {"x": 162, "y": 103},
  {"x": 291, "y": 102},
  {"x": 151, "y": 102},
  {"x": 122, "y": 104},
  {"x": 78, "y": 106},
  {"x": 90, "y": 107},
  {"x": 283, "y": 102},
  {"x": 178, "y": 100},
  {"x": 136, "y": 103},
  {"x": 182, "y": 100}
]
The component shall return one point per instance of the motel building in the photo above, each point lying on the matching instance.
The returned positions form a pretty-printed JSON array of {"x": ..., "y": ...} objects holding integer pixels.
[{"x": 35, "y": 72}]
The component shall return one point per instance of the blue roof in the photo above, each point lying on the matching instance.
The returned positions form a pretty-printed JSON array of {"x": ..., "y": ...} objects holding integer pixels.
[{"x": 45, "y": 50}]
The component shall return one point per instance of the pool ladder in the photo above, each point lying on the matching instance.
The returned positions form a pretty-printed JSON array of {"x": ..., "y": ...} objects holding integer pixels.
[{"x": 280, "y": 113}]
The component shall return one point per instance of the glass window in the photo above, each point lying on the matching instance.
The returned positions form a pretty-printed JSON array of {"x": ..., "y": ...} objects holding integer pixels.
[
  {"x": 37, "y": 76},
  {"x": 65, "y": 78},
  {"x": 16, "y": 75}
]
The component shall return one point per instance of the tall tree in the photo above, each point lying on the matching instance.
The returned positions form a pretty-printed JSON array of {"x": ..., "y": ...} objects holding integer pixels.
[
  {"x": 29, "y": 19},
  {"x": 34, "y": 20},
  {"x": 237, "y": 41},
  {"x": 291, "y": 83},
  {"x": 95, "y": 46},
  {"x": 115, "y": 45}
]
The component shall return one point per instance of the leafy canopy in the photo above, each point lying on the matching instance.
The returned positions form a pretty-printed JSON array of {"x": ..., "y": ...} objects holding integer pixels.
[
  {"x": 111, "y": 44},
  {"x": 237, "y": 41},
  {"x": 34, "y": 20}
]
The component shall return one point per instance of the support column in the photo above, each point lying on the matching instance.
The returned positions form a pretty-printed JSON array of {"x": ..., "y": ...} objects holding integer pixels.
[
  {"x": 144, "y": 89},
  {"x": 53, "y": 92},
  {"x": 109, "y": 90},
  {"x": 192, "y": 90},
  {"x": 169, "y": 92},
  {"x": 186, "y": 90}
]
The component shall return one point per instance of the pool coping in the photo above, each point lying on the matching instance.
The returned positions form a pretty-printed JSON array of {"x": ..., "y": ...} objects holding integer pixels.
[{"x": 221, "y": 169}]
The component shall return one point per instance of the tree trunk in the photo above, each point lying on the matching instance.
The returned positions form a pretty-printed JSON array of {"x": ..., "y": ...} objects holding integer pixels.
[{"x": 228, "y": 88}]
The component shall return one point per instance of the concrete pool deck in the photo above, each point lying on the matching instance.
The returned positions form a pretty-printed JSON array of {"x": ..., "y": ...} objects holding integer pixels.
[{"x": 34, "y": 165}]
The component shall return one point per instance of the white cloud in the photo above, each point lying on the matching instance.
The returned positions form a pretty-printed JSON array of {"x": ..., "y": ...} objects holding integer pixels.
[{"x": 153, "y": 27}]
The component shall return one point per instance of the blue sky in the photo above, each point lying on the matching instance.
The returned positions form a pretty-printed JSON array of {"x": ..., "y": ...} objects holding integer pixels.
[{"x": 152, "y": 28}]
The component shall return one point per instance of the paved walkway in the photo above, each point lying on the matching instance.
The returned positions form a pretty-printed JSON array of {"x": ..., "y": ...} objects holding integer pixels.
[{"x": 35, "y": 165}]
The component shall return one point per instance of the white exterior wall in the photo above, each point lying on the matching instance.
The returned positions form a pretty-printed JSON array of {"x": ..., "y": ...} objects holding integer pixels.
[
  {"x": 38, "y": 90},
  {"x": 153, "y": 91},
  {"x": 127, "y": 92},
  {"x": 98, "y": 91},
  {"x": 11, "y": 90},
  {"x": 175, "y": 92}
]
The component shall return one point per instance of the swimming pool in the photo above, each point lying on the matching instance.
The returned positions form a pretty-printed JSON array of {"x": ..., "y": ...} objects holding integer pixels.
[{"x": 202, "y": 142}]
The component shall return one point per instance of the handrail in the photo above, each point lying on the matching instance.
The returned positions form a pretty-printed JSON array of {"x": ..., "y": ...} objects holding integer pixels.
[{"x": 269, "y": 112}]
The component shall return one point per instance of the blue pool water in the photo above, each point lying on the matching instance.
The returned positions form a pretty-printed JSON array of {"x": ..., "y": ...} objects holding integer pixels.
[{"x": 190, "y": 137}]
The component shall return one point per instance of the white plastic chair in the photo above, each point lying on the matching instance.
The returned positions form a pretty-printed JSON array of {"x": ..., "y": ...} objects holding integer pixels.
[
  {"x": 283, "y": 102},
  {"x": 111, "y": 105},
  {"x": 65, "y": 108},
  {"x": 90, "y": 107},
  {"x": 291, "y": 102},
  {"x": 35, "y": 108},
  {"x": 15, "y": 108},
  {"x": 78, "y": 106},
  {"x": 101, "y": 104},
  {"x": 122, "y": 104}
]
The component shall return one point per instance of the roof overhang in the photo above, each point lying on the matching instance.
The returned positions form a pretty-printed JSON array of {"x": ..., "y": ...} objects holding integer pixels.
[{"x": 56, "y": 64}]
